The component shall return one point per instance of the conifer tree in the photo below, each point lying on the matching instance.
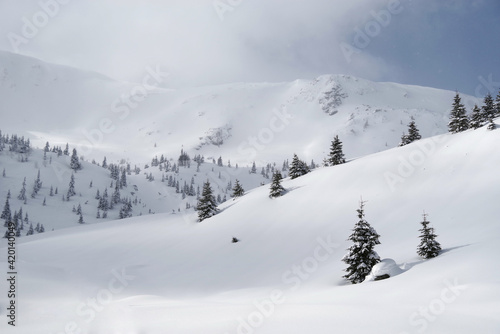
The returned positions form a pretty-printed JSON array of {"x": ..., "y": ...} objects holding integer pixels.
[
  {"x": 6, "y": 213},
  {"x": 298, "y": 167},
  {"x": 488, "y": 110},
  {"x": 428, "y": 247},
  {"x": 75, "y": 162},
  {"x": 476, "y": 118},
  {"x": 238, "y": 190},
  {"x": 404, "y": 140},
  {"x": 30, "y": 230},
  {"x": 66, "y": 150},
  {"x": 336, "y": 156},
  {"x": 254, "y": 169},
  {"x": 22, "y": 193},
  {"x": 123, "y": 179},
  {"x": 361, "y": 257},
  {"x": 80, "y": 219},
  {"x": 71, "y": 190},
  {"x": 458, "y": 117},
  {"x": 413, "y": 133},
  {"x": 116, "y": 194},
  {"x": 276, "y": 188},
  {"x": 497, "y": 105},
  {"x": 207, "y": 205}
]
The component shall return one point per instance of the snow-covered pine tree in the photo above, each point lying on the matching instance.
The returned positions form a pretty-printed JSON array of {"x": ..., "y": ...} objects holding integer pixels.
[
  {"x": 75, "y": 162},
  {"x": 497, "y": 105},
  {"x": 298, "y": 167},
  {"x": 71, "y": 190},
  {"x": 404, "y": 140},
  {"x": 22, "y": 193},
  {"x": 66, "y": 150},
  {"x": 475, "y": 121},
  {"x": 428, "y": 247},
  {"x": 30, "y": 230},
  {"x": 413, "y": 133},
  {"x": 488, "y": 110},
  {"x": 238, "y": 190},
  {"x": 276, "y": 189},
  {"x": 336, "y": 156},
  {"x": 207, "y": 206},
  {"x": 361, "y": 257},
  {"x": 6, "y": 213},
  {"x": 254, "y": 169},
  {"x": 458, "y": 116},
  {"x": 123, "y": 179},
  {"x": 80, "y": 219},
  {"x": 116, "y": 194}
]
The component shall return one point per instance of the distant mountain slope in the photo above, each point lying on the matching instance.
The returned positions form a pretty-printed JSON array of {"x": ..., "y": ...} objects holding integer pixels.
[
  {"x": 168, "y": 273},
  {"x": 243, "y": 122}
]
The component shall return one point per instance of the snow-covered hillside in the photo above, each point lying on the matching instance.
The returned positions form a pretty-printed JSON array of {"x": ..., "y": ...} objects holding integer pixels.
[
  {"x": 168, "y": 274},
  {"x": 159, "y": 188},
  {"x": 244, "y": 122}
]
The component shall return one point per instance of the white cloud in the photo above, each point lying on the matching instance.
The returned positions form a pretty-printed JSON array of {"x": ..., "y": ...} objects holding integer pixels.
[{"x": 258, "y": 40}]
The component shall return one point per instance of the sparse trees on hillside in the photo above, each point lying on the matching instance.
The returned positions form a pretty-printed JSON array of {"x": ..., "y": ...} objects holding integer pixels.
[{"x": 361, "y": 257}]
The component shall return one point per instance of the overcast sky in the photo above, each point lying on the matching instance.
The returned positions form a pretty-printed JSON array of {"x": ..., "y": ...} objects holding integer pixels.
[{"x": 450, "y": 44}]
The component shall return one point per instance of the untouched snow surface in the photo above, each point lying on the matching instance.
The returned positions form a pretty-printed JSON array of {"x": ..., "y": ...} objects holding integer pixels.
[{"x": 168, "y": 274}]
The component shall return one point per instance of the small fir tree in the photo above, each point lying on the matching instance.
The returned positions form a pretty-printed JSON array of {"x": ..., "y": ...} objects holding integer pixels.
[
  {"x": 361, "y": 257},
  {"x": 22, "y": 193},
  {"x": 276, "y": 189},
  {"x": 413, "y": 133},
  {"x": 476, "y": 118},
  {"x": 497, "y": 105},
  {"x": 428, "y": 247},
  {"x": 458, "y": 117},
  {"x": 75, "y": 162},
  {"x": 6, "y": 213},
  {"x": 71, "y": 190},
  {"x": 336, "y": 156},
  {"x": 298, "y": 167},
  {"x": 207, "y": 205},
  {"x": 488, "y": 110},
  {"x": 238, "y": 190}
]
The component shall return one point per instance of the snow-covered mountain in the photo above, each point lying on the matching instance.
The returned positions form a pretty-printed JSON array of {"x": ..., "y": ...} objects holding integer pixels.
[
  {"x": 166, "y": 273},
  {"x": 243, "y": 122},
  {"x": 163, "y": 272}
]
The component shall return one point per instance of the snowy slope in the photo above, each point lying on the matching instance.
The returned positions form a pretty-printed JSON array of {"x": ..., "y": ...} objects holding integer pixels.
[
  {"x": 242, "y": 122},
  {"x": 168, "y": 274},
  {"x": 148, "y": 196}
]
